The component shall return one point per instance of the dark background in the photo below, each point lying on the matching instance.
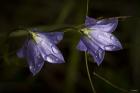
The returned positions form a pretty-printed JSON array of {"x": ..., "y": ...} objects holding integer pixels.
[{"x": 121, "y": 67}]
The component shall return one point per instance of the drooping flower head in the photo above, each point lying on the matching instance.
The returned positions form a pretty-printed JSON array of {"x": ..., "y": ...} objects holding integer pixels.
[
  {"x": 41, "y": 47},
  {"x": 98, "y": 38}
]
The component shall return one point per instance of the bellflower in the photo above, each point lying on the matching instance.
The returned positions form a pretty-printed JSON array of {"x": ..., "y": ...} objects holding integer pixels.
[
  {"x": 41, "y": 47},
  {"x": 98, "y": 38}
]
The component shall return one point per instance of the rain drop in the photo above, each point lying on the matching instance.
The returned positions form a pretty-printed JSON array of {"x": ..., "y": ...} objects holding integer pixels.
[
  {"x": 55, "y": 50},
  {"x": 109, "y": 47},
  {"x": 31, "y": 67},
  {"x": 112, "y": 37},
  {"x": 49, "y": 59}
]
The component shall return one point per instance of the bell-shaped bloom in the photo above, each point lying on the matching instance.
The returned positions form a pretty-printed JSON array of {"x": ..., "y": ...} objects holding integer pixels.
[
  {"x": 98, "y": 38},
  {"x": 41, "y": 47}
]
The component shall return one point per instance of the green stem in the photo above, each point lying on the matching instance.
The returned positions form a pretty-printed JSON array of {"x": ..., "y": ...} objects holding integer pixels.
[
  {"x": 89, "y": 77},
  {"x": 76, "y": 28},
  {"x": 113, "y": 85},
  {"x": 87, "y": 8}
]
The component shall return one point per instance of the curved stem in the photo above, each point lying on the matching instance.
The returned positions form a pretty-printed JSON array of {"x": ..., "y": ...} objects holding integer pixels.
[
  {"x": 113, "y": 85},
  {"x": 76, "y": 27},
  {"x": 89, "y": 77}
]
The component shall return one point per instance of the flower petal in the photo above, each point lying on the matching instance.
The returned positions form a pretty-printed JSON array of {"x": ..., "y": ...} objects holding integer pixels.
[
  {"x": 21, "y": 53},
  {"x": 55, "y": 37},
  {"x": 90, "y": 21},
  {"x": 106, "y": 41},
  {"x": 106, "y": 25},
  {"x": 47, "y": 47},
  {"x": 81, "y": 46},
  {"x": 98, "y": 55},
  {"x": 53, "y": 59},
  {"x": 96, "y": 52},
  {"x": 34, "y": 58}
]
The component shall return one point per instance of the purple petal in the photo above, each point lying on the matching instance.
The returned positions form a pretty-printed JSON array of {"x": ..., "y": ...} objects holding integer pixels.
[
  {"x": 98, "y": 55},
  {"x": 47, "y": 47},
  {"x": 90, "y": 21},
  {"x": 81, "y": 46},
  {"x": 106, "y": 41},
  {"x": 21, "y": 53},
  {"x": 55, "y": 37},
  {"x": 106, "y": 25},
  {"x": 96, "y": 52},
  {"x": 34, "y": 58},
  {"x": 54, "y": 55},
  {"x": 53, "y": 59}
]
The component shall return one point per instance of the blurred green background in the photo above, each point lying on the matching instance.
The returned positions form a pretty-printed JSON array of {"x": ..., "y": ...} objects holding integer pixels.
[{"x": 121, "y": 67}]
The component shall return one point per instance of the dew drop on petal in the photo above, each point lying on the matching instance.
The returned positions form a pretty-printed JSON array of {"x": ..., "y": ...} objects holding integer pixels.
[
  {"x": 31, "y": 67},
  {"x": 100, "y": 53},
  {"x": 112, "y": 37},
  {"x": 55, "y": 50},
  {"x": 52, "y": 59},
  {"x": 49, "y": 59},
  {"x": 109, "y": 47}
]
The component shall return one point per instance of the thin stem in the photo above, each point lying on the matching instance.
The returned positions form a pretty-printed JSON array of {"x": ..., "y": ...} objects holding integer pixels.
[
  {"x": 87, "y": 8},
  {"x": 113, "y": 85},
  {"x": 77, "y": 27},
  {"x": 89, "y": 77}
]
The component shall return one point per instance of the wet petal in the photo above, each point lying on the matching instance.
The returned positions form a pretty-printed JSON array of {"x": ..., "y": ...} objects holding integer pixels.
[
  {"x": 106, "y": 25},
  {"x": 106, "y": 41},
  {"x": 53, "y": 59},
  {"x": 90, "y": 21},
  {"x": 95, "y": 50},
  {"x": 98, "y": 55},
  {"x": 55, "y": 37},
  {"x": 34, "y": 58},
  {"x": 53, "y": 55},
  {"x": 47, "y": 47},
  {"x": 81, "y": 46}
]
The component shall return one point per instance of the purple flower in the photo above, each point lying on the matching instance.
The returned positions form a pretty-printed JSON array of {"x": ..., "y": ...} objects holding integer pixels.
[
  {"x": 41, "y": 47},
  {"x": 97, "y": 38}
]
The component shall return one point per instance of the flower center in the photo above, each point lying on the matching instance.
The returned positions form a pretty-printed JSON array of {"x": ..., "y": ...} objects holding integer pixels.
[
  {"x": 34, "y": 35},
  {"x": 85, "y": 31}
]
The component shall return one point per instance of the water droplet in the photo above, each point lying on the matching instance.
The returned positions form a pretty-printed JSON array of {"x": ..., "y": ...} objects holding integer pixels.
[
  {"x": 55, "y": 50},
  {"x": 112, "y": 37},
  {"x": 50, "y": 59},
  {"x": 100, "y": 53},
  {"x": 109, "y": 47},
  {"x": 30, "y": 67}
]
